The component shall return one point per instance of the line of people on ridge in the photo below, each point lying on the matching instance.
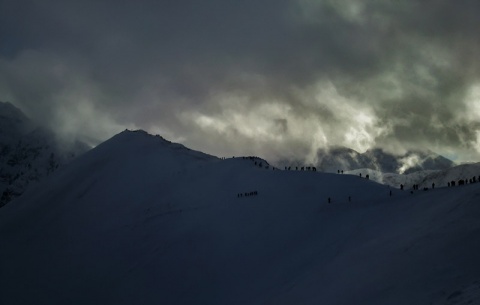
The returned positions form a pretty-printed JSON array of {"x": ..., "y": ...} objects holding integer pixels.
[
  {"x": 464, "y": 181},
  {"x": 247, "y": 194},
  {"x": 449, "y": 184},
  {"x": 303, "y": 168}
]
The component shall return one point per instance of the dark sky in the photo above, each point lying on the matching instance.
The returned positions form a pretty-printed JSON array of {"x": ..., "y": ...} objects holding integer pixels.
[{"x": 271, "y": 78}]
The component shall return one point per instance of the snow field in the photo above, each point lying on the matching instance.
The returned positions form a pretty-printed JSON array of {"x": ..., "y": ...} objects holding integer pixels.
[{"x": 139, "y": 220}]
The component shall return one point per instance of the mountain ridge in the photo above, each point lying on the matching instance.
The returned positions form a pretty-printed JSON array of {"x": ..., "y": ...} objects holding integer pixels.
[{"x": 141, "y": 220}]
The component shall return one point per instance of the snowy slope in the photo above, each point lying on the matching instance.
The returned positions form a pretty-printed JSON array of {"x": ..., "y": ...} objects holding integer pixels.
[
  {"x": 425, "y": 178},
  {"x": 28, "y": 153},
  {"x": 393, "y": 179},
  {"x": 140, "y": 220},
  {"x": 460, "y": 172}
]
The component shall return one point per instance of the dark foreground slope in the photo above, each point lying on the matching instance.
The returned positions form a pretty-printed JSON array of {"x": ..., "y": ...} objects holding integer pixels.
[{"x": 139, "y": 220}]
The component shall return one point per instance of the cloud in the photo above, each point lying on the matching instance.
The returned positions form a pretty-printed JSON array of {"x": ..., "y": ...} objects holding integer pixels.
[
  {"x": 270, "y": 78},
  {"x": 60, "y": 95}
]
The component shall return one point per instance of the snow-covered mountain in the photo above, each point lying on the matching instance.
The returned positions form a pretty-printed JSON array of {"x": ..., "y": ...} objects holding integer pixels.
[
  {"x": 140, "y": 220},
  {"x": 393, "y": 179},
  {"x": 409, "y": 162},
  {"x": 28, "y": 153},
  {"x": 424, "y": 178},
  {"x": 469, "y": 173},
  {"x": 338, "y": 158}
]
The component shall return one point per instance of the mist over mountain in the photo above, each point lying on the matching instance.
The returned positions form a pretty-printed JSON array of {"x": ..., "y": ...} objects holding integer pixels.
[
  {"x": 424, "y": 178},
  {"x": 28, "y": 153},
  {"x": 139, "y": 219},
  {"x": 409, "y": 162},
  {"x": 338, "y": 158}
]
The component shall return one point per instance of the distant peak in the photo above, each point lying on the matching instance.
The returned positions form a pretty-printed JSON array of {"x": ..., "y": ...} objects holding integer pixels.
[{"x": 7, "y": 109}]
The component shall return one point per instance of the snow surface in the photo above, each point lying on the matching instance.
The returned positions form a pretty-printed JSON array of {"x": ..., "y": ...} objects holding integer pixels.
[{"x": 140, "y": 220}]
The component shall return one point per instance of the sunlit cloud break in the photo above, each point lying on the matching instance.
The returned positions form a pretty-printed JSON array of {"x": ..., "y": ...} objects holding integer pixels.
[{"x": 278, "y": 79}]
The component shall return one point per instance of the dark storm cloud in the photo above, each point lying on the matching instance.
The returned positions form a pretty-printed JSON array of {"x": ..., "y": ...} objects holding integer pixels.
[{"x": 274, "y": 78}]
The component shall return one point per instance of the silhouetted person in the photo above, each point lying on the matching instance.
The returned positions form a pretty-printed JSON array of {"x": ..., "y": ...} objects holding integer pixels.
[
  {"x": 368, "y": 177},
  {"x": 401, "y": 187},
  {"x": 329, "y": 200},
  {"x": 433, "y": 186}
]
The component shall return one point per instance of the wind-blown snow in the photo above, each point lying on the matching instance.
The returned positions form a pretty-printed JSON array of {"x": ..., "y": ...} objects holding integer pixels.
[{"x": 140, "y": 220}]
